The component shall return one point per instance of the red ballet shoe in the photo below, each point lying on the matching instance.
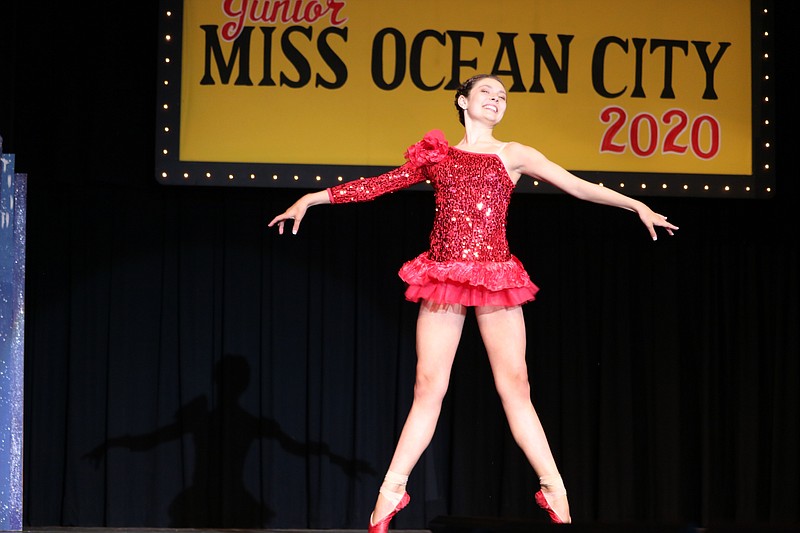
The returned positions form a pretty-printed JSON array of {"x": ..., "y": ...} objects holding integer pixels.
[
  {"x": 544, "y": 504},
  {"x": 383, "y": 525}
]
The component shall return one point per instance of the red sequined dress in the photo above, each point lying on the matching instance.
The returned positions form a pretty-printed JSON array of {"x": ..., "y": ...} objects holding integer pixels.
[{"x": 468, "y": 262}]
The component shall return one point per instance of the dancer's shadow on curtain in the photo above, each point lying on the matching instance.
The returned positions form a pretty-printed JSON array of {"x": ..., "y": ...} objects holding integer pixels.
[{"x": 222, "y": 435}]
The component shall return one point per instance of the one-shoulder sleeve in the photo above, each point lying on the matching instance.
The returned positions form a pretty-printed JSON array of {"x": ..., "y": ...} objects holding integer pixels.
[{"x": 366, "y": 189}]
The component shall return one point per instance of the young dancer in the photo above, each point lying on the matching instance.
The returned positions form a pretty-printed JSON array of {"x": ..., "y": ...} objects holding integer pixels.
[{"x": 469, "y": 265}]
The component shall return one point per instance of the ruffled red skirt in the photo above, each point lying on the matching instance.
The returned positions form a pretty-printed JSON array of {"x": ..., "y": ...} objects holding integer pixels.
[{"x": 502, "y": 283}]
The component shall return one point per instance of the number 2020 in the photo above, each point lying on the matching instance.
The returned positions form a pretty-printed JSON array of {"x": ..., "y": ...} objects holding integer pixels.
[{"x": 676, "y": 122}]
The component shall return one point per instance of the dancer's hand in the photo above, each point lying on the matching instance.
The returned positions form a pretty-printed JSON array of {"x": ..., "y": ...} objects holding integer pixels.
[
  {"x": 298, "y": 210},
  {"x": 651, "y": 220}
]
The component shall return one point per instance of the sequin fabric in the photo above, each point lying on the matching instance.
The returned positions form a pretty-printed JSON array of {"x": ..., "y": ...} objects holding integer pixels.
[{"x": 469, "y": 261}]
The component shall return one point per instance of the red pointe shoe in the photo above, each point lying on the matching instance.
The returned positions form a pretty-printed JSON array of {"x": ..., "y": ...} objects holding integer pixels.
[
  {"x": 383, "y": 525},
  {"x": 544, "y": 504}
]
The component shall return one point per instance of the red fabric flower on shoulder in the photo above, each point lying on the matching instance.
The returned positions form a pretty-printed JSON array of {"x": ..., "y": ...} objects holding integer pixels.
[{"x": 431, "y": 149}]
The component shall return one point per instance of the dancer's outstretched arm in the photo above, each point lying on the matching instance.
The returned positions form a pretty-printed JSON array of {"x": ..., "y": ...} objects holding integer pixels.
[{"x": 529, "y": 161}]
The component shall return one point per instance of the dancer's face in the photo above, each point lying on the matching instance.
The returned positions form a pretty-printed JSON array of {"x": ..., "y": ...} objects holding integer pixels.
[{"x": 486, "y": 101}]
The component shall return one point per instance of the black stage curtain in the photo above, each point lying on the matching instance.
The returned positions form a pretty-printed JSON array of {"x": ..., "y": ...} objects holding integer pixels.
[{"x": 188, "y": 367}]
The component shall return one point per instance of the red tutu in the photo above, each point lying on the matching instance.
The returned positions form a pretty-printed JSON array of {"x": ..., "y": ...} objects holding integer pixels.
[{"x": 502, "y": 283}]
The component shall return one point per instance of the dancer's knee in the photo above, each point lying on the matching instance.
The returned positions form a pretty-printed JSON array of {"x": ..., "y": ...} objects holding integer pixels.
[
  {"x": 430, "y": 388},
  {"x": 514, "y": 387}
]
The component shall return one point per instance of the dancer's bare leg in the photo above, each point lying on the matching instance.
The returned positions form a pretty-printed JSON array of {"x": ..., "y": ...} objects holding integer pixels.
[
  {"x": 438, "y": 332},
  {"x": 503, "y": 333}
]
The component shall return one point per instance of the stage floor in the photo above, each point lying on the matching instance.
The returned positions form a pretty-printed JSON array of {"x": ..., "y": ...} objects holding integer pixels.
[
  {"x": 466, "y": 525},
  {"x": 187, "y": 530},
  {"x": 167, "y": 530}
]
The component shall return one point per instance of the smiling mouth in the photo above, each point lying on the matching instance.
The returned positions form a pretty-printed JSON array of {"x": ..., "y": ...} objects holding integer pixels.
[{"x": 491, "y": 107}]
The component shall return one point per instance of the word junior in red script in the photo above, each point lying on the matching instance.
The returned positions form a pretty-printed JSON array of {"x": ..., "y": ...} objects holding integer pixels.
[{"x": 278, "y": 11}]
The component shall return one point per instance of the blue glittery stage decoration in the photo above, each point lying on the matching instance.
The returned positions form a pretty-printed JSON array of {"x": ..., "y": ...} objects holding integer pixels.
[{"x": 12, "y": 335}]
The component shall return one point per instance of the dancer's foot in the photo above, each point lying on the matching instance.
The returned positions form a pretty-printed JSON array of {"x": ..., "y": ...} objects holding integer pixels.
[
  {"x": 553, "y": 498},
  {"x": 392, "y": 497},
  {"x": 556, "y": 505},
  {"x": 387, "y": 509}
]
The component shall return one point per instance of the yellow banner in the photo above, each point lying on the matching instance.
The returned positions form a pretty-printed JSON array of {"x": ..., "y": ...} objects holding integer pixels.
[{"x": 612, "y": 86}]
